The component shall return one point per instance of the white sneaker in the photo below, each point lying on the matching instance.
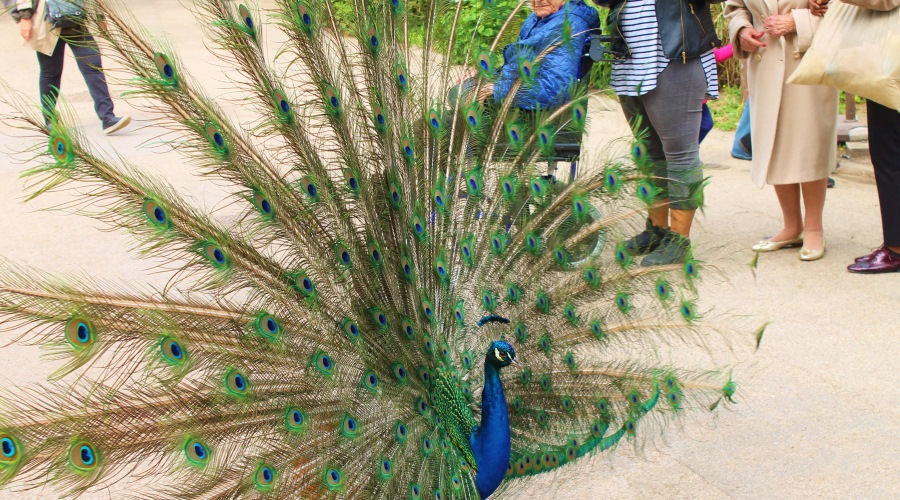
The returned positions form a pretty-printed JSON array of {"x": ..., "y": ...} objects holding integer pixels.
[{"x": 118, "y": 124}]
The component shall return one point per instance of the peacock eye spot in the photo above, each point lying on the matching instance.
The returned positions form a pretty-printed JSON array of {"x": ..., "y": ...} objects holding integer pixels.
[
  {"x": 334, "y": 102},
  {"x": 219, "y": 256},
  {"x": 402, "y": 79},
  {"x": 473, "y": 121},
  {"x": 345, "y": 256},
  {"x": 418, "y": 228},
  {"x": 266, "y": 206},
  {"x": 334, "y": 475},
  {"x": 86, "y": 455},
  {"x": 297, "y": 417},
  {"x": 218, "y": 138},
  {"x": 267, "y": 474},
  {"x": 168, "y": 71},
  {"x": 306, "y": 19},
  {"x": 439, "y": 200},
  {"x": 374, "y": 41},
  {"x": 515, "y": 135},
  {"x": 396, "y": 196},
  {"x": 307, "y": 284},
  {"x": 473, "y": 183},
  {"x": 406, "y": 269},
  {"x": 159, "y": 215},
  {"x": 435, "y": 123},
  {"x": 380, "y": 119},
  {"x": 271, "y": 325},
  {"x": 83, "y": 332},
  {"x": 484, "y": 65},
  {"x": 326, "y": 362},
  {"x": 8, "y": 447},
  {"x": 199, "y": 450}
]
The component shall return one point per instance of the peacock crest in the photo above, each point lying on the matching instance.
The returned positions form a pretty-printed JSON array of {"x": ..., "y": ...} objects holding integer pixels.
[{"x": 350, "y": 331}]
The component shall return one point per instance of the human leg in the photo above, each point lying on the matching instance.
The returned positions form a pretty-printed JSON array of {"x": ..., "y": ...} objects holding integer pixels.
[
  {"x": 884, "y": 148},
  {"x": 87, "y": 54},
  {"x": 674, "y": 109},
  {"x": 813, "y": 204},
  {"x": 651, "y": 160},
  {"x": 51, "y": 77},
  {"x": 791, "y": 234}
]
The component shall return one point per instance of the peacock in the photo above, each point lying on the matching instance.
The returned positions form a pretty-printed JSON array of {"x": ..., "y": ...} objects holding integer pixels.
[{"x": 406, "y": 303}]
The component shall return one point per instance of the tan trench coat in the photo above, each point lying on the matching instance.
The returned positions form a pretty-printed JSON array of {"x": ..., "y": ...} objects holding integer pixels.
[
  {"x": 793, "y": 126},
  {"x": 43, "y": 35}
]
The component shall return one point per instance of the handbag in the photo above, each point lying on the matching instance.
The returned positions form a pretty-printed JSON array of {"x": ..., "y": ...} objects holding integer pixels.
[
  {"x": 856, "y": 50},
  {"x": 65, "y": 13}
]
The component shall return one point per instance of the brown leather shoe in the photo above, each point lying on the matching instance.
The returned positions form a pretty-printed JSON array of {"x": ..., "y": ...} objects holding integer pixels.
[{"x": 881, "y": 261}]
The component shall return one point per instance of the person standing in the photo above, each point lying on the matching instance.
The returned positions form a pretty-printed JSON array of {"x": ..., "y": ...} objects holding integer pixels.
[
  {"x": 884, "y": 148},
  {"x": 665, "y": 70},
  {"x": 793, "y": 126},
  {"x": 50, "y": 43}
]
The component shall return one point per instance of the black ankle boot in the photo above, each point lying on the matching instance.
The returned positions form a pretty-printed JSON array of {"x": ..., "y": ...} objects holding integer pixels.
[
  {"x": 673, "y": 249},
  {"x": 646, "y": 241}
]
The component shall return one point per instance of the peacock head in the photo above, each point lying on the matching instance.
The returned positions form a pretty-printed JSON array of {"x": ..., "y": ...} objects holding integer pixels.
[{"x": 501, "y": 354}]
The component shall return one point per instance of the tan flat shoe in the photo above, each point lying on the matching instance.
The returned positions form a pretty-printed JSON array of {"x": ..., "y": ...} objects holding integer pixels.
[
  {"x": 771, "y": 246},
  {"x": 809, "y": 255}
]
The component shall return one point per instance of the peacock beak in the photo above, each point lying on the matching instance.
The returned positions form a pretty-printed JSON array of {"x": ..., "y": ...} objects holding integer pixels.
[{"x": 515, "y": 362}]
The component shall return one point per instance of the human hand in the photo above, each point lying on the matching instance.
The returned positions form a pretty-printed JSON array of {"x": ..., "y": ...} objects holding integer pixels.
[
  {"x": 818, "y": 7},
  {"x": 779, "y": 25},
  {"x": 25, "y": 28},
  {"x": 749, "y": 38}
]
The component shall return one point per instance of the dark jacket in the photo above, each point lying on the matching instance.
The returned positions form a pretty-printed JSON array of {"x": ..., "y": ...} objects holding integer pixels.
[
  {"x": 685, "y": 27},
  {"x": 558, "y": 70}
]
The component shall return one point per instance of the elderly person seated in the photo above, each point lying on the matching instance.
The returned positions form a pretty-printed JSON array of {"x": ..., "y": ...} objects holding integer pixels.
[{"x": 556, "y": 71}]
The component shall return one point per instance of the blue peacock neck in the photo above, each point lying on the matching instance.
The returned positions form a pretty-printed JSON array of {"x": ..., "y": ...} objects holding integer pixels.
[{"x": 491, "y": 441}]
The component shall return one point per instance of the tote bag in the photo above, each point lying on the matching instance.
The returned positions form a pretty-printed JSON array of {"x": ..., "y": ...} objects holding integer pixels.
[{"x": 856, "y": 50}]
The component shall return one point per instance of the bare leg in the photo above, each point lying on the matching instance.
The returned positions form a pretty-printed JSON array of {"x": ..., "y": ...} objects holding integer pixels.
[
  {"x": 659, "y": 214},
  {"x": 789, "y": 199},
  {"x": 681, "y": 221},
  {"x": 814, "y": 203}
]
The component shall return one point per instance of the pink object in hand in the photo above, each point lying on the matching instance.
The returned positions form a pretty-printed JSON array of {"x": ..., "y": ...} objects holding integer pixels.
[{"x": 724, "y": 53}]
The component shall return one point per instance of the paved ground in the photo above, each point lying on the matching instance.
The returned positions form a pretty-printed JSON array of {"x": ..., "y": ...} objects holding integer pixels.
[{"x": 818, "y": 418}]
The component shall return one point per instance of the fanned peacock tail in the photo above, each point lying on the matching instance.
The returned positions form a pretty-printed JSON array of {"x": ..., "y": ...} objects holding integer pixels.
[{"x": 339, "y": 339}]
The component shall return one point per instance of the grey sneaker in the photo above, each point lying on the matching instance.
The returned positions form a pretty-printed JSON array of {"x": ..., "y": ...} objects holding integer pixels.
[
  {"x": 646, "y": 241},
  {"x": 673, "y": 249},
  {"x": 116, "y": 124}
]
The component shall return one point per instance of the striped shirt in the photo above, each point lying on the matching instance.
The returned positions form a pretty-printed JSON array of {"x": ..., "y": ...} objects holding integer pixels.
[{"x": 637, "y": 75}]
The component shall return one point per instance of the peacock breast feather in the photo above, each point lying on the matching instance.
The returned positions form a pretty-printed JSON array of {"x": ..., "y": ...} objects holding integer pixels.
[{"x": 454, "y": 413}]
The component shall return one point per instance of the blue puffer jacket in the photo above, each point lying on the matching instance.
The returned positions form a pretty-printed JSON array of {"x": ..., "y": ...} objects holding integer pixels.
[{"x": 559, "y": 69}]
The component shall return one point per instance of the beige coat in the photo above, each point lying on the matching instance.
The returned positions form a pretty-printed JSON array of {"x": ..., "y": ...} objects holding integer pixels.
[
  {"x": 793, "y": 126},
  {"x": 43, "y": 35}
]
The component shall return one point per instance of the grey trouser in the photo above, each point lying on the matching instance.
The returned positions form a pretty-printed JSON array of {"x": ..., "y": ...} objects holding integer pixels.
[{"x": 671, "y": 115}]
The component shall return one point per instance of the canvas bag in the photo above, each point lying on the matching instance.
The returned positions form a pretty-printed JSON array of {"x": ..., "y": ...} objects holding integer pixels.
[
  {"x": 65, "y": 13},
  {"x": 856, "y": 50}
]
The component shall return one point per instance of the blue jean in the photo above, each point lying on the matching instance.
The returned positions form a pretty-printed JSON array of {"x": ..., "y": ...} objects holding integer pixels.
[{"x": 87, "y": 55}]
